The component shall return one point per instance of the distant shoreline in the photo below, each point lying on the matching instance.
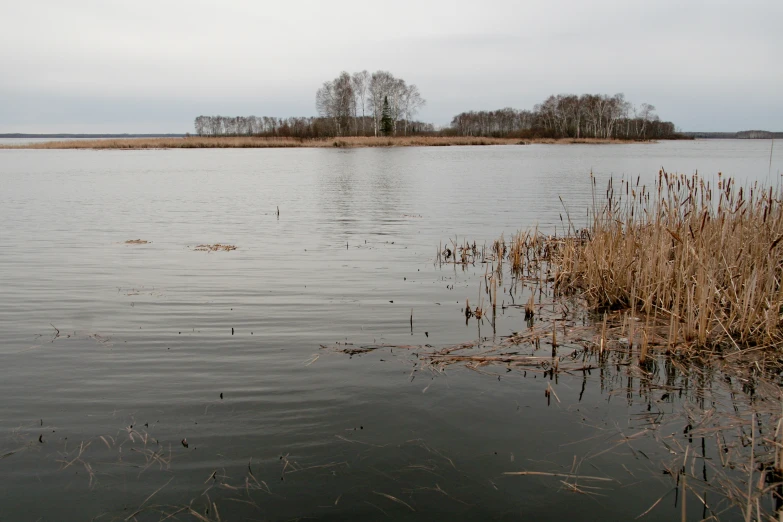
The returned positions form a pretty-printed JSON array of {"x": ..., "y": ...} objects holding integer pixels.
[
  {"x": 196, "y": 142},
  {"x": 81, "y": 136}
]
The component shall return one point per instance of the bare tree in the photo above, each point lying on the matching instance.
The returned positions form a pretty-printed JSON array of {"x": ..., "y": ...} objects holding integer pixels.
[
  {"x": 335, "y": 100},
  {"x": 345, "y": 100},
  {"x": 200, "y": 125},
  {"x": 325, "y": 104},
  {"x": 411, "y": 102},
  {"x": 381, "y": 83},
  {"x": 646, "y": 114},
  {"x": 361, "y": 83}
]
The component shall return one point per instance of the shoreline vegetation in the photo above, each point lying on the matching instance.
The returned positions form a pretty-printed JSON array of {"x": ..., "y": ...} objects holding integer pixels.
[
  {"x": 683, "y": 285},
  {"x": 676, "y": 292},
  {"x": 254, "y": 142},
  {"x": 379, "y": 104}
]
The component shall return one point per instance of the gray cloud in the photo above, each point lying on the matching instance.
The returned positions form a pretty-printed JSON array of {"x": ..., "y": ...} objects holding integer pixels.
[{"x": 151, "y": 66}]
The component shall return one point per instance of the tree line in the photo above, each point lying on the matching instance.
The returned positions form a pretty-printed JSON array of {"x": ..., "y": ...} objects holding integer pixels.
[
  {"x": 569, "y": 116},
  {"x": 358, "y": 104},
  {"x": 741, "y": 135},
  {"x": 350, "y": 100},
  {"x": 295, "y": 127},
  {"x": 266, "y": 126},
  {"x": 364, "y": 104}
]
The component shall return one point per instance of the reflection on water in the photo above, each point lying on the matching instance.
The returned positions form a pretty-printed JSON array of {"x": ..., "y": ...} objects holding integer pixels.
[{"x": 93, "y": 420}]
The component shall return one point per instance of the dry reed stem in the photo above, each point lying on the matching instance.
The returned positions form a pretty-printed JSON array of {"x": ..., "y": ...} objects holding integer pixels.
[
  {"x": 566, "y": 475},
  {"x": 395, "y": 499},
  {"x": 699, "y": 268},
  {"x": 708, "y": 258}
]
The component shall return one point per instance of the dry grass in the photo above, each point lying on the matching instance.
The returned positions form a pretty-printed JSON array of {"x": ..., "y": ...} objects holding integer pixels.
[
  {"x": 684, "y": 282},
  {"x": 683, "y": 286},
  {"x": 672, "y": 299},
  {"x": 196, "y": 142},
  {"x": 708, "y": 259}
]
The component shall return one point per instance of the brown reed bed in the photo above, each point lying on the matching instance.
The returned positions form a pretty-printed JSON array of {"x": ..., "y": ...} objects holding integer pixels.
[
  {"x": 708, "y": 259},
  {"x": 677, "y": 286},
  {"x": 239, "y": 142}
]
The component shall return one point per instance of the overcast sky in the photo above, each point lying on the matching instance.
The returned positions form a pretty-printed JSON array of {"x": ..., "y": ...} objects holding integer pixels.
[{"x": 152, "y": 66}]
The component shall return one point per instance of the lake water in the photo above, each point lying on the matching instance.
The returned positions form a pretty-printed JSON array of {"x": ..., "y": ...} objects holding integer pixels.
[{"x": 114, "y": 355}]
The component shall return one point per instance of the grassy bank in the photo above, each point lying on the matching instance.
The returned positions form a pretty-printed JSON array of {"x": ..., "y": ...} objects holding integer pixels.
[{"x": 196, "y": 142}]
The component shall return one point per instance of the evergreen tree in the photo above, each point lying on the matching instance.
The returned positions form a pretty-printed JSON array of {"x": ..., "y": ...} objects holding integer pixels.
[{"x": 387, "y": 125}]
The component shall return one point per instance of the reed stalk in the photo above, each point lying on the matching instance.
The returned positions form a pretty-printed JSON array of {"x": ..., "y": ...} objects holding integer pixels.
[{"x": 707, "y": 257}]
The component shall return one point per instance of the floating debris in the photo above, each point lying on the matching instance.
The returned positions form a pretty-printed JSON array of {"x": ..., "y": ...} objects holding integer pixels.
[
  {"x": 350, "y": 349},
  {"x": 215, "y": 248},
  {"x": 137, "y": 242}
]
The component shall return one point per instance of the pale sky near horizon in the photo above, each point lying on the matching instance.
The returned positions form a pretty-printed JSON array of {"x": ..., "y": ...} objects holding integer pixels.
[{"x": 152, "y": 66}]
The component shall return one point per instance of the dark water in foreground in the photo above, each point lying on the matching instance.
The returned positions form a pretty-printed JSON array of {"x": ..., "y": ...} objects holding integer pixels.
[{"x": 92, "y": 420}]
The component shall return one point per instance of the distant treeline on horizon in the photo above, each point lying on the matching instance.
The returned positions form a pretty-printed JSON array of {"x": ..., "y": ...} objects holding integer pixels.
[
  {"x": 89, "y": 136},
  {"x": 569, "y": 116},
  {"x": 741, "y": 135},
  {"x": 343, "y": 105},
  {"x": 308, "y": 127},
  {"x": 358, "y": 104}
]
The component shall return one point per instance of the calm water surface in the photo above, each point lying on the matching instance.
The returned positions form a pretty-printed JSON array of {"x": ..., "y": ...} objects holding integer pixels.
[{"x": 92, "y": 420}]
